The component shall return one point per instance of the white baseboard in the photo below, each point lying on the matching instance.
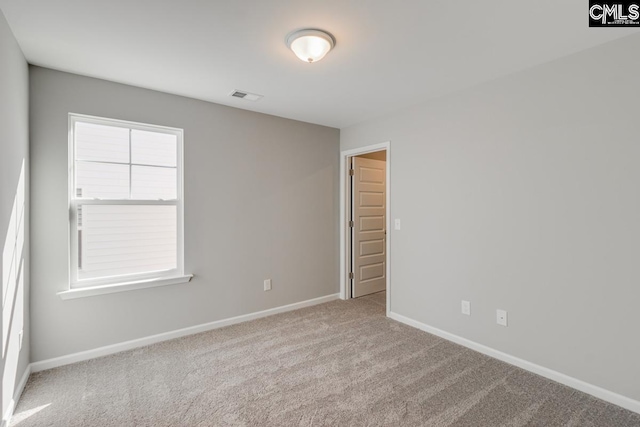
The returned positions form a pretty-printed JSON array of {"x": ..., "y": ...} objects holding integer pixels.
[
  {"x": 606, "y": 395},
  {"x": 6, "y": 419},
  {"x": 141, "y": 342}
]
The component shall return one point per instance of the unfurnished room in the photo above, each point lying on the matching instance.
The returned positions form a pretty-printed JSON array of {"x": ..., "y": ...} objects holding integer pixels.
[{"x": 320, "y": 213}]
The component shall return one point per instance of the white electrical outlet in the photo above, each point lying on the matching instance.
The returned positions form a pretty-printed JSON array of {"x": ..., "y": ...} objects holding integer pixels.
[
  {"x": 267, "y": 285},
  {"x": 501, "y": 317},
  {"x": 466, "y": 308},
  {"x": 20, "y": 339},
  {"x": 397, "y": 224}
]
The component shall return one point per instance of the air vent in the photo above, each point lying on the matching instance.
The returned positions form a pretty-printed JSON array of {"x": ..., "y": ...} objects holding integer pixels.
[{"x": 245, "y": 95}]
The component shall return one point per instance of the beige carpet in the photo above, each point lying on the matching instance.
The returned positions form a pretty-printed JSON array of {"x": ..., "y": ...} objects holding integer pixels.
[{"x": 341, "y": 364}]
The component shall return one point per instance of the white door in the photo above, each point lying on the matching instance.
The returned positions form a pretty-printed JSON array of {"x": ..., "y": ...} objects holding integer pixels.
[{"x": 368, "y": 226}]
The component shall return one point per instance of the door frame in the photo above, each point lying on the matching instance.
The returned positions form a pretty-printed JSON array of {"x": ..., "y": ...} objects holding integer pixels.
[{"x": 345, "y": 155}]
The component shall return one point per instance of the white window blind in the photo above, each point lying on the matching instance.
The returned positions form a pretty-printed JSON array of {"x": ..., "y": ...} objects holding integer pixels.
[
  {"x": 123, "y": 239},
  {"x": 125, "y": 201}
]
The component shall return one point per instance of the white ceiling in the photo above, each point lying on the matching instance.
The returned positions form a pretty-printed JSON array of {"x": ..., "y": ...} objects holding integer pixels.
[{"x": 389, "y": 54}]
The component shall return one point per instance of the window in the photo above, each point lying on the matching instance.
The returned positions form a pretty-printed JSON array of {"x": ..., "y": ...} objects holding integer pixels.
[{"x": 125, "y": 193}]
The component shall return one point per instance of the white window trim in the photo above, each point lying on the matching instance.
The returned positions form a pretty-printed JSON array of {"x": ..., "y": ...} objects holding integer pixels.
[
  {"x": 122, "y": 287},
  {"x": 91, "y": 287}
]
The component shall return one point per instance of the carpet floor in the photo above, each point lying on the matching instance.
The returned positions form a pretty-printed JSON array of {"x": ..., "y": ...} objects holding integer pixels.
[{"x": 337, "y": 364}]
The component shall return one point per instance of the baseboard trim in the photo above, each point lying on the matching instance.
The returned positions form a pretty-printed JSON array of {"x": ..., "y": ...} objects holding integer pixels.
[
  {"x": 16, "y": 397},
  {"x": 141, "y": 342},
  {"x": 601, "y": 393}
]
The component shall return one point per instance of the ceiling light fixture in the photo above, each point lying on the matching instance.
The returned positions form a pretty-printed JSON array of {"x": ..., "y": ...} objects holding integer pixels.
[{"x": 310, "y": 45}]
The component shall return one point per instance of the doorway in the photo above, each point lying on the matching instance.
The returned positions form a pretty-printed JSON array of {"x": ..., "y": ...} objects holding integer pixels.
[{"x": 365, "y": 240}]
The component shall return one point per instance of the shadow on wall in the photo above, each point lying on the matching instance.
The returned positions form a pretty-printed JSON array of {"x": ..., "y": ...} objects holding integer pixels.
[{"x": 13, "y": 293}]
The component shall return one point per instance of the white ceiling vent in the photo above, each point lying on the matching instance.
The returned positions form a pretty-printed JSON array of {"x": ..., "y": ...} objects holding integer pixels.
[{"x": 245, "y": 95}]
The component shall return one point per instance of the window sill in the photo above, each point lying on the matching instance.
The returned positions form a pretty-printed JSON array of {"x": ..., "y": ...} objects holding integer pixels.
[{"x": 122, "y": 287}]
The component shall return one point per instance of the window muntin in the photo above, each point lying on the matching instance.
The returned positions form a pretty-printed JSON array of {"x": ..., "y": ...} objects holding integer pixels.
[{"x": 125, "y": 201}]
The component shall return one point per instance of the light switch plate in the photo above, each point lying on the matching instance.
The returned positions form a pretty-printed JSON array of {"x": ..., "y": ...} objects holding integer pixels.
[
  {"x": 267, "y": 285},
  {"x": 397, "y": 224}
]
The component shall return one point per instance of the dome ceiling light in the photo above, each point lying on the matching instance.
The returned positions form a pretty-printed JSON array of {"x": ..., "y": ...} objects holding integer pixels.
[{"x": 310, "y": 45}]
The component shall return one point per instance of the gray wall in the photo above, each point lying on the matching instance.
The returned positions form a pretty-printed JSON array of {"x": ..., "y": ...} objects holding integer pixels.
[
  {"x": 14, "y": 164},
  {"x": 260, "y": 202},
  {"x": 523, "y": 194}
]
